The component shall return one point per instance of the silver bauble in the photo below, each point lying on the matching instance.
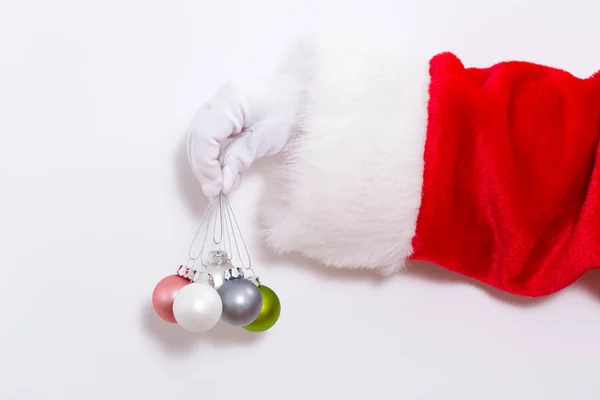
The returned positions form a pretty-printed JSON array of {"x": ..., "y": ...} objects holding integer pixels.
[{"x": 242, "y": 302}]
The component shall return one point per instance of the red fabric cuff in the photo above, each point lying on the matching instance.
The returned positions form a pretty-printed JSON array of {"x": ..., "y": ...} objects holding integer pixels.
[{"x": 511, "y": 192}]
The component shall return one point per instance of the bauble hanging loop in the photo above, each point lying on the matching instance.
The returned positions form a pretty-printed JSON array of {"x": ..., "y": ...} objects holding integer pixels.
[{"x": 233, "y": 273}]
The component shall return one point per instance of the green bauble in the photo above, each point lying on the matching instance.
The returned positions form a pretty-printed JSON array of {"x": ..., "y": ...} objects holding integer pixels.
[{"x": 269, "y": 313}]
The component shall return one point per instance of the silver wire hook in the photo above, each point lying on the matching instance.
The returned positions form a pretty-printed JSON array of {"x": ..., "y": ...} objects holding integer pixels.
[
  {"x": 219, "y": 211},
  {"x": 233, "y": 220},
  {"x": 207, "y": 214}
]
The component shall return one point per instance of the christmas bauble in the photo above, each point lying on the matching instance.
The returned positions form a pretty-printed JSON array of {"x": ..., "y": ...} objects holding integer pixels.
[
  {"x": 242, "y": 302},
  {"x": 269, "y": 313},
  {"x": 164, "y": 293},
  {"x": 197, "y": 307},
  {"x": 217, "y": 272}
]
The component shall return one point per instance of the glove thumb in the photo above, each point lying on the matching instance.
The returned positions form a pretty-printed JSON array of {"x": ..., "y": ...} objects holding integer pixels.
[{"x": 263, "y": 139}]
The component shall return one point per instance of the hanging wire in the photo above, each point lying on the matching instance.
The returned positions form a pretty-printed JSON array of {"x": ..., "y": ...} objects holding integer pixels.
[
  {"x": 219, "y": 212},
  {"x": 207, "y": 216},
  {"x": 206, "y": 260},
  {"x": 233, "y": 220},
  {"x": 228, "y": 242}
]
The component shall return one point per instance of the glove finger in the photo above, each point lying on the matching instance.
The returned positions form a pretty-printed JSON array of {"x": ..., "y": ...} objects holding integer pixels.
[
  {"x": 209, "y": 177},
  {"x": 215, "y": 122}
]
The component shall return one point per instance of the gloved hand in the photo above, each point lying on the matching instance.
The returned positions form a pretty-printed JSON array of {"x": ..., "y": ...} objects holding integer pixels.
[{"x": 258, "y": 115}]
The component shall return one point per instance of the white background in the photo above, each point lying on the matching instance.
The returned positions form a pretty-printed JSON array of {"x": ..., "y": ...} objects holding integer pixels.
[{"x": 97, "y": 204}]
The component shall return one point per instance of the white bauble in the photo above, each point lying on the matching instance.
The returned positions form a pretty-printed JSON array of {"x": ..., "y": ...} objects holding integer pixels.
[{"x": 197, "y": 307}]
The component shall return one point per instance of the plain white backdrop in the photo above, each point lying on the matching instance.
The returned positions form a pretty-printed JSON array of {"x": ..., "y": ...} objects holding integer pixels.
[{"x": 97, "y": 204}]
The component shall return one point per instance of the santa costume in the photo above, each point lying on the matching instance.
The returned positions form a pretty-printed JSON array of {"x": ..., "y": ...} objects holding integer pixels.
[{"x": 388, "y": 156}]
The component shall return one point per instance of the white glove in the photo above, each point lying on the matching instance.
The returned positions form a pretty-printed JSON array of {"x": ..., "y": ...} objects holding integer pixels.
[{"x": 258, "y": 115}]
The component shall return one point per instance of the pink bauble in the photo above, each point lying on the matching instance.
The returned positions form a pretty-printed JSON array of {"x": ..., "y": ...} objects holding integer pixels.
[{"x": 164, "y": 294}]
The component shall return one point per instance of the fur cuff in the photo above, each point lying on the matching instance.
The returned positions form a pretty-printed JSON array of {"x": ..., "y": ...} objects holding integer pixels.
[{"x": 349, "y": 190}]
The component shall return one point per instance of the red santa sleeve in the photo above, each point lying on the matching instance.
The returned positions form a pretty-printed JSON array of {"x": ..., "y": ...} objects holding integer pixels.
[{"x": 489, "y": 172}]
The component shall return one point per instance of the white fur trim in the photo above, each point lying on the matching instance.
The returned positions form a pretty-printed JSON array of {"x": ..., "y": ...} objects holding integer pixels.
[{"x": 349, "y": 190}]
